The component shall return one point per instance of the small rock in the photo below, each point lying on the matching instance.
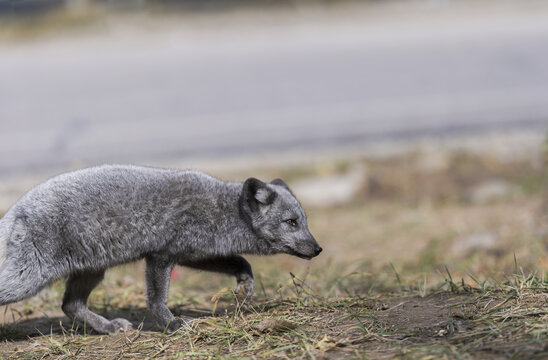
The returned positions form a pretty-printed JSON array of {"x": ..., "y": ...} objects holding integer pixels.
[
  {"x": 382, "y": 307},
  {"x": 491, "y": 190},
  {"x": 477, "y": 241},
  {"x": 330, "y": 190}
]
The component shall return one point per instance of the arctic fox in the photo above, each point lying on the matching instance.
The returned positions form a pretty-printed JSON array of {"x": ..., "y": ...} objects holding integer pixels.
[{"x": 78, "y": 224}]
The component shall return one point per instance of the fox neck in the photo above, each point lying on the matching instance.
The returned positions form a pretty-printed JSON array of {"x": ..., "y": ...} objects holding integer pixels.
[
  {"x": 242, "y": 238},
  {"x": 247, "y": 242}
]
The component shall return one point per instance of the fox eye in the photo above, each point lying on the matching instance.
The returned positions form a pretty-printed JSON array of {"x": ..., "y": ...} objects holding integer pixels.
[{"x": 291, "y": 222}]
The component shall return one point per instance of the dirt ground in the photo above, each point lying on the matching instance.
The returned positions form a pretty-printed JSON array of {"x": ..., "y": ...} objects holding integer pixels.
[{"x": 441, "y": 325}]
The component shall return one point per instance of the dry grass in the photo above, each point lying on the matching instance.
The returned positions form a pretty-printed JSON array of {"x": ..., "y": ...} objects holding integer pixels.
[
  {"x": 509, "y": 320},
  {"x": 417, "y": 265}
]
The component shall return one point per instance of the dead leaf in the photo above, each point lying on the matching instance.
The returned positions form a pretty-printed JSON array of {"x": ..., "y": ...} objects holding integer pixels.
[
  {"x": 217, "y": 296},
  {"x": 327, "y": 343}
]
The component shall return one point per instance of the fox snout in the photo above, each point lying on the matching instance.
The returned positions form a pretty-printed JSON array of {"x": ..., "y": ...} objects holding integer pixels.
[
  {"x": 306, "y": 249},
  {"x": 317, "y": 250}
]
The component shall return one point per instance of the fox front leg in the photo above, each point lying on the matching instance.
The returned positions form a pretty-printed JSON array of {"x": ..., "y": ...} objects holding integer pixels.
[
  {"x": 233, "y": 265},
  {"x": 158, "y": 275},
  {"x": 245, "y": 284}
]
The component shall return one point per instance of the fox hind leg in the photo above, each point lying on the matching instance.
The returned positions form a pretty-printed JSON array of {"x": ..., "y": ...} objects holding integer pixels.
[{"x": 78, "y": 288}]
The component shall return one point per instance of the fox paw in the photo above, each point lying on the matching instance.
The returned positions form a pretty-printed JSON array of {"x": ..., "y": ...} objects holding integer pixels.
[
  {"x": 244, "y": 292},
  {"x": 120, "y": 325},
  {"x": 178, "y": 323}
]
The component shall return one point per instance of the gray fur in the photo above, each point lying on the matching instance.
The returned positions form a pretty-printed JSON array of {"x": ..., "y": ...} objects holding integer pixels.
[{"x": 78, "y": 224}]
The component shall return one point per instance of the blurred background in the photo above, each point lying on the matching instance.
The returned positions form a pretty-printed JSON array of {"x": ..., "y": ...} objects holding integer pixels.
[{"x": 414, "y": 132}]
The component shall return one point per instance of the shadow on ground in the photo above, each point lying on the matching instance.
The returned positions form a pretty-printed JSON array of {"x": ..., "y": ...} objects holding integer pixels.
[{"x": 56, "y": 323}]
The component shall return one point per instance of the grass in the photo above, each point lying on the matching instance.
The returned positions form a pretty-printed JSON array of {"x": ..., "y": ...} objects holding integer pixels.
[
  {"x": 409, "y": 271},
  {"x": 499, "y": 319}
]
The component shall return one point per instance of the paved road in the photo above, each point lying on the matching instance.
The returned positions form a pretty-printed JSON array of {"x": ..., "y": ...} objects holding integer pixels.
[{"x": 184, "y": 90}]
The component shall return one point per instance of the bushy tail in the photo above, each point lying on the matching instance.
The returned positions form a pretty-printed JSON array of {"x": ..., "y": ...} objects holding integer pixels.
[
  {"x": 4, "y": 234},
  {"x": 6, "y": 226},
  {"x": 17, "y": 281},
  {"x": 20, "y": 276}
]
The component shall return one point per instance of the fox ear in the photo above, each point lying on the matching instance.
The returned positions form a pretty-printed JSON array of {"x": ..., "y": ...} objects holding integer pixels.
[
  {"x": 279, "y": 182},
  {"x": 282, "y": 183},
  {"x": 256, "y": 192}
]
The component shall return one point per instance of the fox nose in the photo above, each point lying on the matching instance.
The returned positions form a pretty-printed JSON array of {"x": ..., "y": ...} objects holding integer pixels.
[{"x": 317, "y": 250}]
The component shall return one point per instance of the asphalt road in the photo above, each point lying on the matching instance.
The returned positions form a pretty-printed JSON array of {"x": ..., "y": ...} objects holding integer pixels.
[{"x": 186, "y": 89}]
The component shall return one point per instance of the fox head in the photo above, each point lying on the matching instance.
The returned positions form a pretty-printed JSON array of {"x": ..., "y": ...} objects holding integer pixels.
[{"x": 277, "y": 218}]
